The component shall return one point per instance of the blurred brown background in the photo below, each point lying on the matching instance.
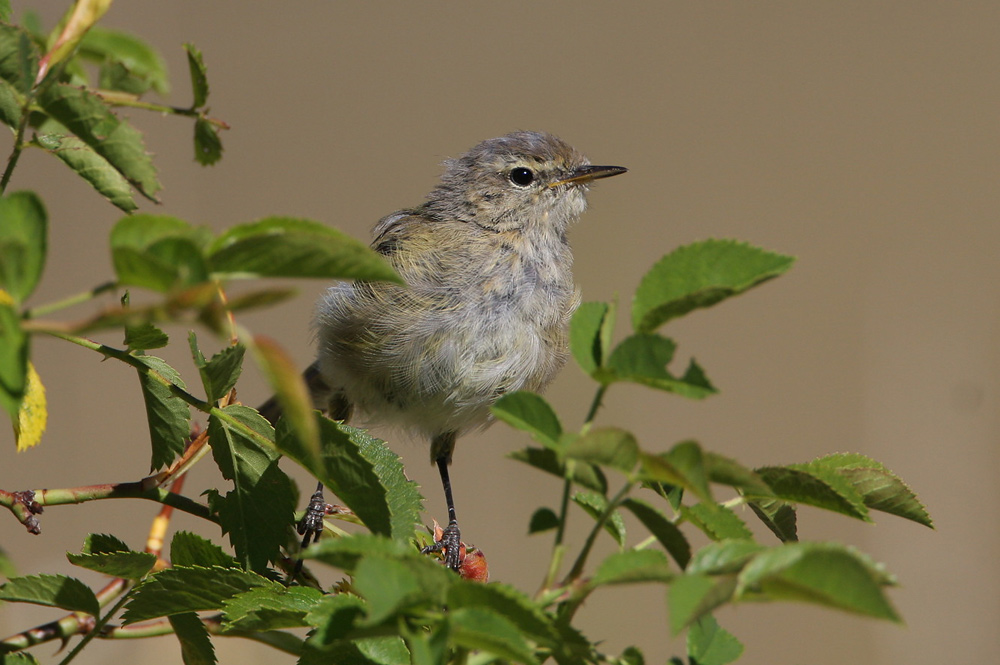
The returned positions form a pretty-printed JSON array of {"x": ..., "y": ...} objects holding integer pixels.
[{"x": 861, "y": 137}]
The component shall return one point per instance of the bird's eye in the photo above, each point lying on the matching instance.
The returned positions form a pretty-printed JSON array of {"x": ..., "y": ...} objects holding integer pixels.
[{"x": 521, "y": 176}]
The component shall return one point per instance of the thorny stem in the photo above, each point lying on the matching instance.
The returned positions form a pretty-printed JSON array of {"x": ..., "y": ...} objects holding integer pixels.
[
  {"x": 275, "y": 638},
  {"x": 93, "y": 632},
  {"x": 15, "y": 154}
]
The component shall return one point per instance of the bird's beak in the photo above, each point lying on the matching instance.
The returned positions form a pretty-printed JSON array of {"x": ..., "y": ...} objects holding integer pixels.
[{"x": 590, "y": 172}]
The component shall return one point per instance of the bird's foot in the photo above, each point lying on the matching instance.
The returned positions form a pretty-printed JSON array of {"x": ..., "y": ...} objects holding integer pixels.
[
  {"x": 309, "y": 527},
  {"x": 449, "y": 542}
]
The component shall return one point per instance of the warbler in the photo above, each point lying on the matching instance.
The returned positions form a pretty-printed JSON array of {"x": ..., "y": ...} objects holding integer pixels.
[{"x": 485, "y": 308}]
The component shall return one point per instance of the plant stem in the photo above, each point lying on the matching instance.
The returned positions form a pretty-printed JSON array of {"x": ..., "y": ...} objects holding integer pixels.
[
  {"x": 42, "y": 310},
  {"x": 101, "y": 621},
  {"x": 18, "y": 142},
  {"x": 581, "y": 560},
  {"x": 595, "y": 405},
  {"x": 123, "y": 99}
]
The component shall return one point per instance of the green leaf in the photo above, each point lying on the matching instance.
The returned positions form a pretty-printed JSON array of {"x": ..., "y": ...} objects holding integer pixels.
[
  {"x": 13, "y": 360},
  {"x": 547, "y": 460},
  {"x": 86, "y": 115},
  {"x": 167, "y": 415},
  {"x": 131, "y": 53},
  {"x": 196, "y": 646},
  {"x": 288, "y": 247},
  {"x": 510, "y": 603},
  {"x": 188, "y": 549},
  {"x": 642, "y": 358},
  {"x": 815, "y": 486},
  {"x": 606, "y": 446},
  {"x": 827, "y": 574},
  {"x": 333, "y": 617},
  {"x": 219, "y": 374},
  {"x": 11, "y": 102},
  {"x": 778, "y": 516},
  {"x": 5, "y": 11},
  {"x": 142, "y": 336},
  {"x": 270, "y": 608},
  {"x": 723, "y": 557},
  {"x": 66, "y": 593},
  {"x": 108, "y": 555},
  {"x": 700, "y": 275},
  {"x": 394, "y": 586},
  {"x": 716, "y": 521},
  {"x": 189, "y": 589},
  {"x": 257, "y": 511},
  {"x": 23, "y": 235},
  {"x": 199, "y": 79},
  {"x": 665, "y": 531},
  {"x": 633, "y": 566},
  {"x": 90, "y": 166},
  {"x": 362, "y": 471},
  {"x": 207, "y": 144},
  {"x": 693, "y": 596},
  {"x": 543, "y": 519},
  {"x": 529, "y": 412},
  {"x": 683, "y": 465},
  {"x": 879, "y": 488},
  {"x": 347, "y": 551},
  {"x": 710, "y": 644},
  {"x": 485, "y": 630},
  {"x": 17, "y": 657},
  {"x": 595, "y": 504},
  {"x": 158, "y": 252},
  {"x": 7, "y": 568},
  {"x": 18, "y": 58},
  {"x": 292, "y": 393},
  {"x": 586, "y": 339},
  {"x": 726, "y": 471}
]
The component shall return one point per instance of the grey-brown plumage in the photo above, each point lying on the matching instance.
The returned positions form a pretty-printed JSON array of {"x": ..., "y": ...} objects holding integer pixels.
[{"x": 488, "y": 297}]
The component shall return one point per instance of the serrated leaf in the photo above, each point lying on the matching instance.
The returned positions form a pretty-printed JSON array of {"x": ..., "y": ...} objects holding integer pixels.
[
  {"x": 814, "y": 487},
  {"x": 643, "y": 357},
  {"x": 13, "y": 358},
  {"x": 158, "y": 252},
  {"x": 18, "y": 58},
  {"x": 23, "y": 243},
  {"x": 346, "y": 552},
  {"x": 700, "y": 275},
  {"x": 108, "y": 555},
  {"x": 207, "y": 144},
  {"x": 333, "y": 617},
  {"x": 543, "y": 519},
  {"x": 33, "y": 413},
  {"x": 665, "y": 531},
  {"x": 693, "y": 596},
  {"x": 547, "y": 460},
  {"x": 483, "y": 629},
  {"x": 189, "y": 589},
  {"x": 11, "y": 102},
  {"x": 716, "y": 521},
  {"x": 85, "y": 114},
  {"x": 257, "y": 511},
  {"x": 270, "y": 608},
  {"x": 778, "y": 516},
  {"x": 143, "y": 336},
  {"x": 363, "y": 472},
  {"x": 827, "y": 574},
  {"x": 723, "y": 557},
  {"x": 585, "y": 341},
  {"x": 683, "y": 465},
  {"x": 90, "y": 166},
  {"x": 196, "y": 645},
  {"x": 633, "y": 566},
  {"x": 166, "y": 414},
  {"x": 289, "y": 247},
  {"x": 393, "y": 586},
  {"x": 509, "y": 602},
  {"x": 726, "y": 471},
  {"x": 199, "y": 80},
  {"x": 134, "y": 55},
  {"x": 67, "y": 593},
  {"x": 188, "y": 549},
  {"x": 595, "y": 504},
  {"x": 18, "y": 658},
  {"x": 529, "y": 412},
  {"x": 879, "y": 488},
  {"x": 218, "y": 375},
  {"x": 710, "y": 644},
  {"x": 606, "y": 446}
]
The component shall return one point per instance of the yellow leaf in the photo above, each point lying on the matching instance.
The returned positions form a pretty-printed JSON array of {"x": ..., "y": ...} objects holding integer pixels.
[{"x": 33, "y": 415}]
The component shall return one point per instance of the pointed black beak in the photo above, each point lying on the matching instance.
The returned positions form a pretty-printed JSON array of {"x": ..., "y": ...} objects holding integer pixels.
[{"x": 590, "y": 172}]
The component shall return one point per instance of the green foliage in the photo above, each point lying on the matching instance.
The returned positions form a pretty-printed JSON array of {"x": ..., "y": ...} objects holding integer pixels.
[{"x": 389, "y": 604}]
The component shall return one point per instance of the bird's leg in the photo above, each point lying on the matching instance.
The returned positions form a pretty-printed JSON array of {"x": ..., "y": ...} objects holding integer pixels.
[{"x": 451, "y": 538}]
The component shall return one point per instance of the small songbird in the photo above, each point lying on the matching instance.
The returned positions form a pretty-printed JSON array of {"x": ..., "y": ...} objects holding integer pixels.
[{"x": 486, "y": 306}]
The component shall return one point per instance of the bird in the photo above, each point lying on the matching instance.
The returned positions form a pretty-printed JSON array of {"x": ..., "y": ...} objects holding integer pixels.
[{"x": 484, "y": 311}]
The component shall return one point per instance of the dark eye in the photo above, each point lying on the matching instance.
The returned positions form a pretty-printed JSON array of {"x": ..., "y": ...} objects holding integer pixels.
[{"x": 521, "y": 176}]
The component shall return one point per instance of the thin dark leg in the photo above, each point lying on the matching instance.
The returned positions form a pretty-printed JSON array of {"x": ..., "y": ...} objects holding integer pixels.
[
  {"x": 310, "y": 526},
  {"x": 451, "y": 538}
]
